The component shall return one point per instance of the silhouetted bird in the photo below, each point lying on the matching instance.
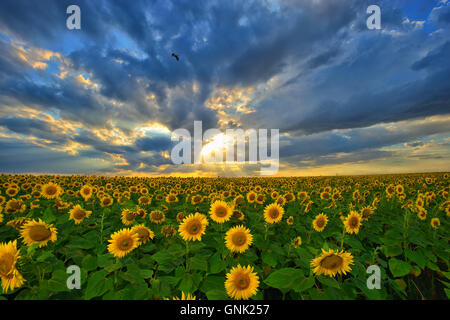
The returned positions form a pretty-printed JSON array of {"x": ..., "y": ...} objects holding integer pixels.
[{"x": 176, "y": 56}]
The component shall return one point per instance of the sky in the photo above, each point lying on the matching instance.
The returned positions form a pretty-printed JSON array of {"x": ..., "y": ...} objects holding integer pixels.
[{"x": 105, "y": 99}]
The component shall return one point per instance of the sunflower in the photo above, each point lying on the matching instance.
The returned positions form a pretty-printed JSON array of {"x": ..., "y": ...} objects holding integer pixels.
[
  {"x": 185, "y": 297},
  {"x": 220, "y": 211},
  {"x": 157, "y": 216},
  {"x": 320, "y": 222},
  {"x": 193, "y": 227},
  {"x": 241, "y": 282},
  {"x": 169, "y": 231},
  {"x": 289, "y": 197},
  {"x": 17, "y": 223},
  {"x": 10, "y": 276},
  {"x": 171, "y": 198},
  {"x": 78, "y": 214},
  {"x": 145, "y": 200},
  {"x": 34, "y": 204},
  {"x": 12, "y": 191},
  {"x": 239, "y": 200},
  {"x": 251, "y": 197},
  {"x": 290, "y": 220},
  {"x": 352, "y": 222},
  {"x": 15, "y": 206},
  {"x": 51, "y": 190},
  {"x": 181, "y": 216},
  {"x": 260, "y": 198},
  {"x": 196, "y": 199},
  {"x": 435, "y": 222},
  {"x": 144, "y": 233},
  {"x": 308, "y": 206},
  {"x": 238, "y": 215},
  {"x": 106, "y": 201},
  {"x": 422, "y": 213},
  {"x": 332, "y": 262},
  {"x": 86, "y": 192},
  {"x": 238, "y": 239},
  {"x": 122, "y": 242},
  {"x": 366, "y": 212},
  {"x": 38, "y": 232},
  {"x": 273, "y": 213},
  {"x": 297, "y": 242},
  {"x": 128, "y": 216}
]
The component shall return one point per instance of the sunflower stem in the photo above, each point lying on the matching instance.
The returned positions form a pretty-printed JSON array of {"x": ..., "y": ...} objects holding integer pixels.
[
  {"x": 187, "y": 256},
  {"x": 342, "y": 238},
  {"x": 101, "y": 227}
]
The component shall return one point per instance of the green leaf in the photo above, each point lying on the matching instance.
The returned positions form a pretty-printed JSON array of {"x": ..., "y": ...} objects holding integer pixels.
[
  {"x": 269, "y": 258},
  {"x": 44, "y": 256},
  {"x": 305, "y": 284},
  {"x": 89, "y": 263},
  {"x": 329, "y": 282},
  {"x": 447, "y": 292},
  {"x": 48, "y": 215},
  {"x": 399, "y": 268},
  {"x": 217, "y": 294},
  {"x": 416, "y": 257},
  {"x": 198, "y": 263},
  {"x": 432, "y": 266},
  {"x": 216, "y": 264},
  {"x": 285, "y": 279},
  {"x": 58, "y": 281},
  {"x": 186, "y": 284},
  {"x": 213, "y": 283},
  {"x": 97, "y": 285}
]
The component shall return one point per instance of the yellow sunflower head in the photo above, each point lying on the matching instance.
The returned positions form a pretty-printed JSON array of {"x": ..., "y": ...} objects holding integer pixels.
[
  {"x": 332, "y": 262},
  {"x": 128, "y": 216},
  {"x": 220, "y": 211},
  {"x": 10, "y": 276},
  {"x": 86, "y": 192},
  {"x": 352, "y": 222},
  {"x": 320, "y": 222},
  {"x": 185, "y": 297},
  {"x": 122, "y": 242},
  {"x": 157, "y": 216},
  {"x": 273, "y": 213},
  {"x": 290, "y": 220},
  {"x": 144, "y": 233},
  {"x": 51, "y": 190},
  {"x": 238, "y": 239},
  {"x": 106, "y": 201},
  {"x": 297, "y": 242},
  {"x": 38, "y": 232},
  {"x": 15, "y": 206},
  {"x": 251, "y": 197},
  {"x": 78, "y": 214},
  {"x": 435, "y": 222},
  {"x": 366, "y": 212},
  {"x": 241, "y": 282},
  {"x": 193, "y": 227},
  {"x": 169, "y": 231}
]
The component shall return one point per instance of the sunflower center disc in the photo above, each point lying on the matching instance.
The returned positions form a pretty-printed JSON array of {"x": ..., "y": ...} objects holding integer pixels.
[
  {"x": 331, "y": 262},
  {"x": 51, "y": 190},
  {"x": 39, "y": 233},
  {"x": 79, "y": 214},
  {"x": 6, "y": 263},
  {"x": 243, "y": 282}
]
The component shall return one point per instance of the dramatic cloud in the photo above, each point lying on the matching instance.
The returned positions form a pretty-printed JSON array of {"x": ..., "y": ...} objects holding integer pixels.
[{"x": 105, "y": 99}]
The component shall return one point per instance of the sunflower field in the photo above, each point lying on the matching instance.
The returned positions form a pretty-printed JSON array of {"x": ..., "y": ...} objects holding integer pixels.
[{"x": 290, "y": 238}]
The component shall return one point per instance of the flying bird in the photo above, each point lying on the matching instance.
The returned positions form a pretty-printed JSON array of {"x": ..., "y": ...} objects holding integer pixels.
[{"x": 176, "y": 56}]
